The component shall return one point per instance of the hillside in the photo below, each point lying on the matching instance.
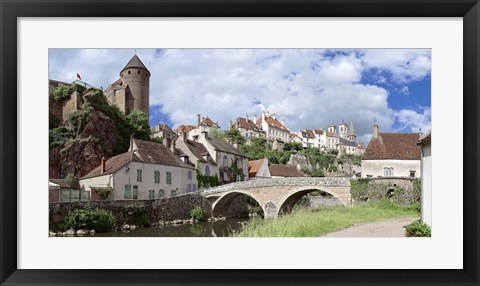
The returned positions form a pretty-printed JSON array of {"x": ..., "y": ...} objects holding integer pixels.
[{"x": 93, "y": 130}]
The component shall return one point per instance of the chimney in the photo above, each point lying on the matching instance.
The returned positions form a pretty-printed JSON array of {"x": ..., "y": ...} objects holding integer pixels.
[
  {"x": 255, "y": 119},
  {"x": 375, "y": 131},
  {"x": 198, "y": 120},
  {"x": 231, "y": 126},
  {"x": 184, "y": 136},
  {"x": 247, "y": 117},
  {"x": 263, "y": 115},
  {"x": 102, "y": 166},
  {"x": 420, "y": 134},
  {"x": 283, "y": 122},
  {"x": 273, "y": 116}
]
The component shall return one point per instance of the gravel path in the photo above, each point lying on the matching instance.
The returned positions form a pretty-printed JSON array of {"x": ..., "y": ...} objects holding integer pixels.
[{"x": 387, "y": 228}]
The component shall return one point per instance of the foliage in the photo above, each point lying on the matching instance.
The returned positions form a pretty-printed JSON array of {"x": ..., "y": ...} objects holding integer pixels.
[
  {"x": 198, "y": 213},
  {"x": 98, "y": 219},
  {"x": 53, "y": 121},
  {"x": 305, "y": 222},
  {"x": 103, "y": 192},
  {"x": 156, "y": 139},
  {"x": 71, "y": 180},
  {"x": 78, "y": 119},
  {"x": 291, "y": 146},
  {"x": 138, "y": 213},
  {"x": 63, "y": 91},
  {"x": 332, "y": 152},
  {"x": 277, "y": 157},
  {"x": 234, "y": 171},
  {"x": 234, "y": 136},
  {"x": 417, "y": 190},
  {"x": 138, "y": 122},
  {"x": 314, "y": 172},
  {"x": 204, "y": 180},
  {"x": 359, "y": 189},
  {"x": 256, "y": 150},
  {"x": 418, "y": 229},
  {"x": 215, "y": 133}
]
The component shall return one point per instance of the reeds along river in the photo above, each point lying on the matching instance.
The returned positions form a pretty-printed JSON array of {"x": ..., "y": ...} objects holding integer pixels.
[{"x": 201, "y": 229}]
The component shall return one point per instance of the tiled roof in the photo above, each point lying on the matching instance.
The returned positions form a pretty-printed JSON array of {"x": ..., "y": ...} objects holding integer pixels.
[
  {"x": 162, "y": 127},
  {"x": 64, "y": 184},
  {"x": 275, "y": 123},
  {"x": 331, "y": 134},
  {"x": 284, "y": 171},
  {"x": 112, "y": 165},
  {"x": 208, "y": 122},
  {"x": 198, "y": 150},
  {"x": 318, "y": 131},
  {"x": 395, "y": 146},
  {"x": 254, "y": 166},
  {"x": 308, "y": 134},
  {"x": 347, "y": 142},
  {"x": 244, "y": 123},
  {"x": 134, "y": 62},
  {"x": 185, "y": 128},
  {"x": 225, "y": 147}
]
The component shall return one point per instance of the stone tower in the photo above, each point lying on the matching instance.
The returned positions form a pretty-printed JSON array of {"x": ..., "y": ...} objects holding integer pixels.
[{"x": 132, "y": 90}]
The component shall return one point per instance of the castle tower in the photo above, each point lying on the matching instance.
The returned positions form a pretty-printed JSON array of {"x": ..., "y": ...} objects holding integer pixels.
[
  {"x": 351, "y": 132},
  {"x": 136, "y": 77}
]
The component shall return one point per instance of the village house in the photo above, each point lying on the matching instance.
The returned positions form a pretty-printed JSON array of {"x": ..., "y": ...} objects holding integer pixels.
[
  {"x": 164, "y": 132},
  {"x": 146, "y": 171},
  {"x": 198, "y": 155},
  {"x": 306, "y": 138},
  {"x": 331, "y": 138},
  {"x": 203, "y": 124},
  {"x": 391, "y": 155},
  {"x": 232, "y": 164},
  {"x": 277, "y": 133},
  {"x": 425, "y": 145},
  {"x": 247, "y": 129},
  {"x": 258, "y": 169}
]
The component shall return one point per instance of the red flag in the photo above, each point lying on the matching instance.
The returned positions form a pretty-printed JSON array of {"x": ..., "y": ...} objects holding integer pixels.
[{"x": 78, "y": 76}]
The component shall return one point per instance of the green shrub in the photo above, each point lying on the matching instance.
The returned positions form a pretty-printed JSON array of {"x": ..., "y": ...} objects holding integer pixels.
[
  {"x": 418, "y": 229},
  {"x": 139, "y": 214},
  {"x": 198, "y": 213},
  {"x": 63, "y": 91},
  {"x": 359, "y": 189},
  {"x": 98, "y": 219}
]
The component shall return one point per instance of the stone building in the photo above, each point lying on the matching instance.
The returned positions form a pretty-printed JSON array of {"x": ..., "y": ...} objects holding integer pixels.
[
  {"x": 425, "y": 145},
  {"x": 164, "y": 132},
  {"x": 146, "y": 171},
  {"x": 132, "y": 90},
  {"x": 247, "y": 129},
  {"x": 258, "y": 169},
  {"x": 392, "y": 155}
]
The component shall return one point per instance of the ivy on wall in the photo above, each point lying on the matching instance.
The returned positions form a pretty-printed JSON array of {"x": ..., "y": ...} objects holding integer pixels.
[{"x": 204, "y": 180}]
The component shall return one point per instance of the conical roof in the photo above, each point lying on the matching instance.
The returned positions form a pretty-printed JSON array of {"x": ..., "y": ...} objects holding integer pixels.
[
  {"x": 134, "y": 62},
  {"x": 351, "y": 131}
]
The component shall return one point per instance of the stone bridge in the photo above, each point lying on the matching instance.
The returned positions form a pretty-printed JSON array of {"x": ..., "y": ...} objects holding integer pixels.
[{"x": 277, "y": 196}]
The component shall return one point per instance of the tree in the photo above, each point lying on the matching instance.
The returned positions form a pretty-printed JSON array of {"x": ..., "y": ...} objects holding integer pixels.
[
  {"x": 71, "y": 180},
  {"x": 215, "y": 133},
  {"x": 233, "y": 135},
  {"x": 293, "y": 146},
  {"x": 138, "y": 122}
]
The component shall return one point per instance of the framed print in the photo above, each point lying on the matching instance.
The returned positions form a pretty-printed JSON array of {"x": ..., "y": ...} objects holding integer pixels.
[{"x": 150, "y": 62}]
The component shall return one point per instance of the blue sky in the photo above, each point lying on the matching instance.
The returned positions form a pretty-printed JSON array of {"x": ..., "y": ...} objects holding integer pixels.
[{"x": 307, "y": 88}]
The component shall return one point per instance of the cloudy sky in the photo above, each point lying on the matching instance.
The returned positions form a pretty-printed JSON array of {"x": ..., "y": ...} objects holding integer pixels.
[{"x": 307, "y": 88}]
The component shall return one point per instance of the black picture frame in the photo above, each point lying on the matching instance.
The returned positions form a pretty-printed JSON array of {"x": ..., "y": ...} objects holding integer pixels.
[{"x": 469, "y": 10}]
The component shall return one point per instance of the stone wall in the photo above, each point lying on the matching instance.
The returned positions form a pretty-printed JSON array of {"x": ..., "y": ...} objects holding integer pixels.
[
  {"x": 400, "y": 190},
  {"x": 164, "y": 209},
  {"x": 53, "y": 195}
]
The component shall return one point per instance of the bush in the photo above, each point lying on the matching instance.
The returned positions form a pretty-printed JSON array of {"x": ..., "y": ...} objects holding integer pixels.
[
  {"x": 98, "y": 219},
  {"x": 198, "y": 213},
  {"x": 418, "y": 229},
  {"x": 139, "y": 214}
]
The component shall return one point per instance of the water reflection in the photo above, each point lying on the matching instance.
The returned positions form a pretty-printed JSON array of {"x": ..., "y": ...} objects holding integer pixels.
[{"x": 201, "y": 229}]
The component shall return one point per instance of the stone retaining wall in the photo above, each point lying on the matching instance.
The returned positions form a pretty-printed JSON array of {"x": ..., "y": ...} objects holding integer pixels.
[{"x": 166, "y": 209}]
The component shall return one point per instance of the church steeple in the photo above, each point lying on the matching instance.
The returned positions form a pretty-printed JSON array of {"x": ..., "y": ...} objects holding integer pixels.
[{"x": 351, "y": 132}]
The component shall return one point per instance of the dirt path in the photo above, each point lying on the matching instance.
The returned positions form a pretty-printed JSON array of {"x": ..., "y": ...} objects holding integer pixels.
[{"x": 387, "y": 228}]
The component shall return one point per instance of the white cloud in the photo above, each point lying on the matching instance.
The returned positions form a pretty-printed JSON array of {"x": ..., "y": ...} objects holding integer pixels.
[
  {"x": 306, "y": 88},
  {"x": 413, "y": 121}
]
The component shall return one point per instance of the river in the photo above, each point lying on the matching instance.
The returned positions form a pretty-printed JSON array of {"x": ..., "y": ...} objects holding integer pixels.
[{"x": 201, "y": 229}]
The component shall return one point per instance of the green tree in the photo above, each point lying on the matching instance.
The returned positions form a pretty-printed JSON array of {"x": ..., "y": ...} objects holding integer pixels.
[
  {"x": 293, "y": 146},
  {"x": 215, "y": 133},
  {"x": 71, "y": 180},
  {"x": 138, "y": 122},
  {"x": 233, "y": 135}
]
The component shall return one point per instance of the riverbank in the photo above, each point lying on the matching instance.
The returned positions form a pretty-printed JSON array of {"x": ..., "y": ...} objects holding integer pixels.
[{"x": 313, "y": 223}]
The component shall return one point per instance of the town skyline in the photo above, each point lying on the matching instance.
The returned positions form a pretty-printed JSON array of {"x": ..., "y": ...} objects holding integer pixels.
[{"x": 307, "y": 88}]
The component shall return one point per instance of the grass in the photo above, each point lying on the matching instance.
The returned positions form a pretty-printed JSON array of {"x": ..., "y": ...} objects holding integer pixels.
[{"x": 314, "y": 223}]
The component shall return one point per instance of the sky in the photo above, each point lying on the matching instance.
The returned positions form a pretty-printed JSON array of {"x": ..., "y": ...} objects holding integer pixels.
[{"x": 307, "y": 88}]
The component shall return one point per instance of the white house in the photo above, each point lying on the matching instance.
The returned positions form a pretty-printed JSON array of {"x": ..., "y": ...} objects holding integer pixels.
[
  {"x": 426, "y": 170},
  {"x": 391, "y": 155},
  {"x": 247, "y": 128},
  {"x": 258, "y": 169},
  {"x": 147, "y": 171},
  {"x": 274, "y": 129}
]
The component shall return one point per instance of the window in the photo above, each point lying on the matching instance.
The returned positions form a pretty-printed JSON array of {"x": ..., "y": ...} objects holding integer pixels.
[
  {"x": 207, "y": 170},
  {"x": 151, "y": 194},
  {"x": 129, "y": 72},
  {"x": 189, "y": 175},
  {"x": 225, "y": 176},
  {"x": 135, "y": 192},
  {"x": 189, "y": 188},
  {"x": 388, "y": 172},
  {"x": 412, "y": 174},
  {"x": 169, "y": 178},
  {"x": 194, "y": 187},
  {"x": 138, "y": 72},
  {"x": 239, "y": 163},
  {"x": 161, "y": 194},
  {"x": 239, "y": 178},
  {"x": 139, "y": 175},
  {"x": 225, "y": 161},
  {"x": 128, "y": 192},
  {"x": 156, "y": 175},
  {"x": 173, "y": 193}
]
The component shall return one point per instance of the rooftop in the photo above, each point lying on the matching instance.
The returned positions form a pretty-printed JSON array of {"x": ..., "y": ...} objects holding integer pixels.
[
  {"x": 396, "y": 146},
  {"x": 284, "y": 171}
]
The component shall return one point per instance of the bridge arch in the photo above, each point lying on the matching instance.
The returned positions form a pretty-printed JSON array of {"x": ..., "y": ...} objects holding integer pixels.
[
  {"x": 222, "y": 204},
  {"x": 294, "y": 196}
]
